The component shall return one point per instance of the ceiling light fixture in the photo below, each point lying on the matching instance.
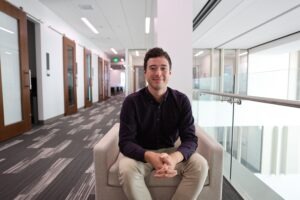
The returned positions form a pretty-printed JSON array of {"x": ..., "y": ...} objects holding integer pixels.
[
  {"x": 137, "y": 53},
  {"x": 6, "y": 30},
  {"x": 88, "y": 24},
  {"x": 113, "y": 50},
  {"x": 147, "y": 25},
  {"x": 199, "y": 53}
]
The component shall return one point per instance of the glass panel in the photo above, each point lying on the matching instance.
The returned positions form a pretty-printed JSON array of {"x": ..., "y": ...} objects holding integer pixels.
[
  {"x": 216, "y": 66},
  {"x": 229, "y": 68},
  {"x": 215, "y": 117},
  {"x": 70, "y": 76},
  {"x": 242, "y": 73},
  {"x": 89, "y": 72},
  {"x": 10, "y": 69},
  {"x": 274, "y": 75},
  {"x": 266, "y": 162}
]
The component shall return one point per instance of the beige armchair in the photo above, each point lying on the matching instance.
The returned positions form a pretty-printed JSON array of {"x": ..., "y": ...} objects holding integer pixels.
[{"x": 107, "y": 155}]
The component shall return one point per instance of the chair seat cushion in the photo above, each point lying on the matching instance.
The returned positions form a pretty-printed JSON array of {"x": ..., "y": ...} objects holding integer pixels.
[{"x": 151, "y": 180}]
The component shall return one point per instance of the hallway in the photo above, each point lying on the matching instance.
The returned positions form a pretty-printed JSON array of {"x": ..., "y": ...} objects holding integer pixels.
[{"x": 55, "y": 161}]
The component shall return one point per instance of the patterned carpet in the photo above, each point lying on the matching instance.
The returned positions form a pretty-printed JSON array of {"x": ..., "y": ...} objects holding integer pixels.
[{"x": 55, "y": 161}]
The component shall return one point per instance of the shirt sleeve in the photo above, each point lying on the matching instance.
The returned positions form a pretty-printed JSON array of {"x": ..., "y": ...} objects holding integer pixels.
[
  {"x": 189, "y": 141},
  {"x": 128, "y": 130}
]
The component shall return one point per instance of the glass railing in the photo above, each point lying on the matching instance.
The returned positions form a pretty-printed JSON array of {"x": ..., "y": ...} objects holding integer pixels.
[
  {"x": 261, "y": 142},
  {"x": 278, "y": 84}
]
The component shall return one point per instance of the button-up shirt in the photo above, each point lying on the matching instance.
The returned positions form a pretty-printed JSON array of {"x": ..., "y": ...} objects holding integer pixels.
[{"x": 146, "y": 124}]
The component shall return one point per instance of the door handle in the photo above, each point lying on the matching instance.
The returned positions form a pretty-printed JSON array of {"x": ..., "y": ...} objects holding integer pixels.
[{"x": 27, "y": 79}]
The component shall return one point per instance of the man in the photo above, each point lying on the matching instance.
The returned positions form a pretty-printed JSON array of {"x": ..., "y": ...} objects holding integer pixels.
[{"x": 151, "y": 121}]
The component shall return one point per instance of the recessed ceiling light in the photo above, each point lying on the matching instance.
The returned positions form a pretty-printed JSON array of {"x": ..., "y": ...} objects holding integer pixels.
[
  {"x": 137, "y": 53},
  {"x": 113, "y": 50},
  {"x": 147, "y": 25},
  {"x": 88, "y": 24},
  {"x": 244, "y": 53}
]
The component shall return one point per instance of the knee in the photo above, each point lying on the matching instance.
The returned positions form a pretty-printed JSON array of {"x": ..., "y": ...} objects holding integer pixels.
[
  {"x": 127, "y": 166},
  {"x": 129, "y": 171},
  {"x": 199, "y": 163}
]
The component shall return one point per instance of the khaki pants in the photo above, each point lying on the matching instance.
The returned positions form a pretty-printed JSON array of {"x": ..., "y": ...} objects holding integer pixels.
[{"x": 193, "y": 172}]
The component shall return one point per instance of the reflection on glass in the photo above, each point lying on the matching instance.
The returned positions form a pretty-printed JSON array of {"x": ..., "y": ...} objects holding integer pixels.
[
  {"x": 201, "y": 68},
  {"x": 70, "y": 76},
  {"x": 10, "y": 69}
]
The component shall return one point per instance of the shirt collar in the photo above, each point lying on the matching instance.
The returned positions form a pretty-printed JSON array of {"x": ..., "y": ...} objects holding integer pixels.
[{"x": 152, "y": 99}]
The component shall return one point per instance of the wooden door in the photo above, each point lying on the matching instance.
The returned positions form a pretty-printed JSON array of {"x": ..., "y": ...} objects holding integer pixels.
[
  {"x": 69, "y": 54},
  {"x": 106, "y": 80},
  {"x": 88, "y": 97},
  {"x": 14, "y": 73},
  {"x": 101, "y": 78}
]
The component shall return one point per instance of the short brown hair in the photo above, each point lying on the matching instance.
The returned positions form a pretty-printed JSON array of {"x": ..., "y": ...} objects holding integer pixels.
[{"x": 156, "y": 52}]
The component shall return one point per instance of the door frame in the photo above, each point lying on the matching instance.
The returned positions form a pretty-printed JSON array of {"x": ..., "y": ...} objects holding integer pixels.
[
  {"x": 101, "y": 78},
  {"x": 73, "y": 108},
  {"x": 12, "y": 130},
  {"x": 106, "y": 80},
  {"x": 87, "y": 82}
]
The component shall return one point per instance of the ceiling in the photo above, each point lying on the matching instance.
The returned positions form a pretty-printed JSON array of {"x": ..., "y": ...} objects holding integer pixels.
[
  {"x": 231, "y": 24},
  {"x": 120, "y": 23},
  {"x": 246, "y": 23}
]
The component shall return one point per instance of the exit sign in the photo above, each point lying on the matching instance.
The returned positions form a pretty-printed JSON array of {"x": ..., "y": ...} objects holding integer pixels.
[{"x": 115, "y": 60}]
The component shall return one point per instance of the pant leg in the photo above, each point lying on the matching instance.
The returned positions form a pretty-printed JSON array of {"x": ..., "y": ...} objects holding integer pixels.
[
  {"x": 132, "y": 178},
  {"x": 194, "y": 172}
]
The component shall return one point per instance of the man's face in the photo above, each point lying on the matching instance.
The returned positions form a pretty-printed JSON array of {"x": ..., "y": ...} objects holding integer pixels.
[{"x": 157, "y": 73}]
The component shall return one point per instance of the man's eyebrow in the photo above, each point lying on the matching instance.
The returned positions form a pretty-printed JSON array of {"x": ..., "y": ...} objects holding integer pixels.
[{"x": 162, "y": 65}]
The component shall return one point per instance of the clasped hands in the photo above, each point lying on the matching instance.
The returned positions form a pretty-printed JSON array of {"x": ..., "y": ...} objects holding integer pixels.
[{"x": 163, "y": 163}]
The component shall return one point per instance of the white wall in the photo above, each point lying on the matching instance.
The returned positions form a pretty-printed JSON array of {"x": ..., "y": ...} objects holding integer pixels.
[
  {"x": 129, "y": 73},
  {"x": 50, "y": 88},
  {"x": 174, "y": 34},
  {"x": 80, "y": 76},
  {"x": 115, "y": 77}
]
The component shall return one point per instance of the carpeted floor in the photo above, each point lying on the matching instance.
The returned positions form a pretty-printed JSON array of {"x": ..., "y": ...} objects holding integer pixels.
[{"x": 55, "y": 161}]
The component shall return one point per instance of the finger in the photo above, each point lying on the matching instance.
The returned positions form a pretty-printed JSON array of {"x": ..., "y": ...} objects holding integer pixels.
[
  {"x": 165, "y": 175},
  {"x": 164, "y": 155},
  {"x": 170, "y": 175},
  {"x": 166, "y": 159}
]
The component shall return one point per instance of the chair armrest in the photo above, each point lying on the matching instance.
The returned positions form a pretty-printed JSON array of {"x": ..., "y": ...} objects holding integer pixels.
[
  {"x": 213, "y": 153},
  {"x": 106, "y": 152}
]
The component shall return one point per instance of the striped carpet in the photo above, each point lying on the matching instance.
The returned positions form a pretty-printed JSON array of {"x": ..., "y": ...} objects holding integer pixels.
[{"x": 55, "y": 161}]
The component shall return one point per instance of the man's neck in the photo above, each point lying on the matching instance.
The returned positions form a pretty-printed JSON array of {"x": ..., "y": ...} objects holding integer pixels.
[{"x": 157, "y": 94}]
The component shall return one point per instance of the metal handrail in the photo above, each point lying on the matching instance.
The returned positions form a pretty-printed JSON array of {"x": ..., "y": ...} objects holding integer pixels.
[{"x": 281, "y": 102}]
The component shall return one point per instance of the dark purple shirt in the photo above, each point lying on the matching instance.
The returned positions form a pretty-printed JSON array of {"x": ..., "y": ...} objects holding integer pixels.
[{"x": 146, "y": 124}]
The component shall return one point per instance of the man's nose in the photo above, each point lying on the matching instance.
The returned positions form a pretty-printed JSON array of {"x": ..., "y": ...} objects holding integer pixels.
[{"x": 158, "y": 72}]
